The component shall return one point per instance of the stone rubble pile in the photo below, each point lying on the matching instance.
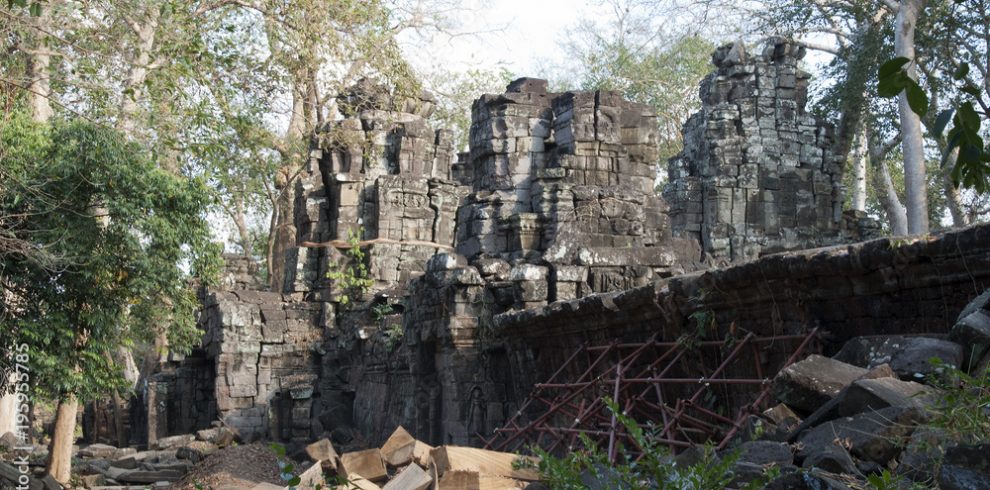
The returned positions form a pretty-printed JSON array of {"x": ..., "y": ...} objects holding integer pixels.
[
  {"x": 105, "y": 467},
  {"x": 869, "y": 409}
]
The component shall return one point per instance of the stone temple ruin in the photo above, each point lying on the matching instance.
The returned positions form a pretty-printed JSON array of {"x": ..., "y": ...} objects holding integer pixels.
[{"x": 489, "y": 268}]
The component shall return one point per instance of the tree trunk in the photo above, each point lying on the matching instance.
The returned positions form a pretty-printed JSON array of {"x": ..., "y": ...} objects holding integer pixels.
[
  {"x": 861, "y": 157},
  {"x": 63, "y": 435},
  {"x": 8, "y": 408},
  {"x": 912, "y": 144},
  {"x": 953, "y": 199},
  {"x": 138, "y": 72},
  {"x": 270, "y": 253},
  {"x": 282, "y": 232},
  {"x": 896, "y": 213},
  {"x": 130, "y": 371},
  {"x": 240, "y": 221},
  {"x": 38, "y": 67},
  {"x": 283, "y": 237}
]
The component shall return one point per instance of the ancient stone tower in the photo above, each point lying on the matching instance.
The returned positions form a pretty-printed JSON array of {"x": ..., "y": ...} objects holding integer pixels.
[
  {"x": 552, "y": 208},
  {"x": 758, "y": 173}
]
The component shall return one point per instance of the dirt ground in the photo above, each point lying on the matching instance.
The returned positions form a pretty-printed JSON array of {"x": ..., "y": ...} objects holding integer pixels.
[{"x": 236, "y": 467}]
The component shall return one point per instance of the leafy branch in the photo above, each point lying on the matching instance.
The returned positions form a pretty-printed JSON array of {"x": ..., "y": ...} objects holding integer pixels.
[{"x": 972, "y": 168}]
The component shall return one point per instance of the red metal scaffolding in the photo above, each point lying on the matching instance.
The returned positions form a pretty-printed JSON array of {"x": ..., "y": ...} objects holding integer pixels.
[{"x": 658, "y": 385}]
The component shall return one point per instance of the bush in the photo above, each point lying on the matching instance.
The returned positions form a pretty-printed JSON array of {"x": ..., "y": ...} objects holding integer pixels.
[{"x": 656, "y": 468}]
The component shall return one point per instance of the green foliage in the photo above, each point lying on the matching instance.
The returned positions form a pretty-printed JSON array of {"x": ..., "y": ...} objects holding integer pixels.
[
  {"x": 456, "y": 91},
  {"x": 962, "y": 410},
  {"x": 889, "y": 481},
  {"x": 381, "y": 310},
  {"x": 285, "y": 468},
  {"x": 704, "y": 322},
  {"x": 106, "y": 239},
  {"x": 972, "y": 168},
  {"x": 662, "y": 73},
  {"x": 393, "y": 336},
  {"x": 655, "y": 469},
  {"x": 351, "y": 278},
  {"x": 394, "y": 331},
  {"x": 33, "y": 7},
  {"x": 892, "y": 79}
]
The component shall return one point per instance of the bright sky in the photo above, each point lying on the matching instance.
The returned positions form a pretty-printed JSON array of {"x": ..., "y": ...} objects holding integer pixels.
[{"x": 515, "y": 34}]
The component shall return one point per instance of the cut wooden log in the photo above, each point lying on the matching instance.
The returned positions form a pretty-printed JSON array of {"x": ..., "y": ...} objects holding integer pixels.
[
  {"x": 398, "y": 449},
  {"x": 483, "y": 462},
  {"x": 469, "y": 480},
  {"x": 359, "y": 482},
  {"x": 421, "y": 453},
  {"x": 488, "y": 482},
  {"x": 321, "y": 451},
  {"x": 411, "y": 477},
  {"x": 367, "y": 463},
  {"x": 267, "y": 486},
  {"x": 459, "y": 480},
  {"x": 312, "y": 477}
]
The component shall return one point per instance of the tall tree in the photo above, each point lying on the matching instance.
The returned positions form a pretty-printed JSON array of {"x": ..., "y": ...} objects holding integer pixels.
[
  {"x": 119, "y": 229},
  {"x": 912, "y": 139},
  {"x": 648, "y": 58}
]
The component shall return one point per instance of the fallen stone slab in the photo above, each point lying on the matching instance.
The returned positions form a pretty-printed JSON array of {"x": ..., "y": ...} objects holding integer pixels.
[
  {"x": 868, "y": 393},
  {"x": 781, "y": 414},
  {"x": 163, "y": 485},
  {"x": 809, "y": 384},
  {"x": 180, "y": 466},
  {"x": 174, "y": 442},
  {"x": 812, "y": 480},
  {"x": 90, "y": 481},
  {"x": 921, "y": 456},
  {"x": 221, "y": 436},
  {"x": 101, "y": 451},
  {"x": 128, "y": 463},
  {"x": 875, "y": 394},
  {"x": 907, "y": 356},
  {"x": 411, "y": 477},
  {"x": 965, "y": 467},
  {"x": 765, "y": 453},
  {"x": 90, "y": 467},
  {"x": 831, "y": 457},
  {"x": 873, "y": 436},
  {"x": 149, "y": 476},
  {"x": 195, "y": 451},
  {"x": 11, "y": 477},
  {"x": 9, "y": 441},
  {"x": 972, "y": 328}
]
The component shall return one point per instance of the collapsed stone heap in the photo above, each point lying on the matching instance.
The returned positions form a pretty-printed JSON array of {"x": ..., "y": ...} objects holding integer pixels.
[{"x": 554, "y": 201}]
